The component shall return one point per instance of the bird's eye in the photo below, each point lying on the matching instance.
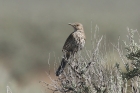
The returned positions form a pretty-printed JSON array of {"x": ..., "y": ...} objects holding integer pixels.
[{"x": 77, "y": 25}]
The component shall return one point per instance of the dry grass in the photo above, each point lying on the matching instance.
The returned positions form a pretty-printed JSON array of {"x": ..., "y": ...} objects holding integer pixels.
[{"x": 93, "y": 74}]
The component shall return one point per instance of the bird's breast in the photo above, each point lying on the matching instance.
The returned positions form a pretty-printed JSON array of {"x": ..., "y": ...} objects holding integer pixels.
[{"x": 79, "y": 39}]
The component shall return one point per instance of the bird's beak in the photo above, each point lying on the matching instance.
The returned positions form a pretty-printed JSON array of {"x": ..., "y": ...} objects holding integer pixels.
[{"x": 69, "y": 23}]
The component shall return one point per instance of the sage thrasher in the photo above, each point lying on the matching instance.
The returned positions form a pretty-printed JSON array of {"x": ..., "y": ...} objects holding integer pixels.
[{"x": 74, "y": 43}]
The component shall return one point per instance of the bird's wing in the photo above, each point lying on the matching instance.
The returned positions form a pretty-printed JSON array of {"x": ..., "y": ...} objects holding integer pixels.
[{"x": 69, "y": 43}]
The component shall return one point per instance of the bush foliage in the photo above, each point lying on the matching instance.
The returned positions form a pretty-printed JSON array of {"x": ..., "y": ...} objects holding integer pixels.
[{"x": 93, "y": 74}]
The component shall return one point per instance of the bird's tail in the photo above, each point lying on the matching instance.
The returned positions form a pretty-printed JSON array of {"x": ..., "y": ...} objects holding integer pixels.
[{"x": 61, "y": 67}]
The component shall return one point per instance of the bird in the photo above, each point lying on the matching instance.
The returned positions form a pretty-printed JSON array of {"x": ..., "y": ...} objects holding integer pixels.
[{"x": 74, "y": 43}]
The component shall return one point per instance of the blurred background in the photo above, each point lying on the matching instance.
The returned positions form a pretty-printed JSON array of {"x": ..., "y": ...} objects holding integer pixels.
[{"x": 34, "y": 31}]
